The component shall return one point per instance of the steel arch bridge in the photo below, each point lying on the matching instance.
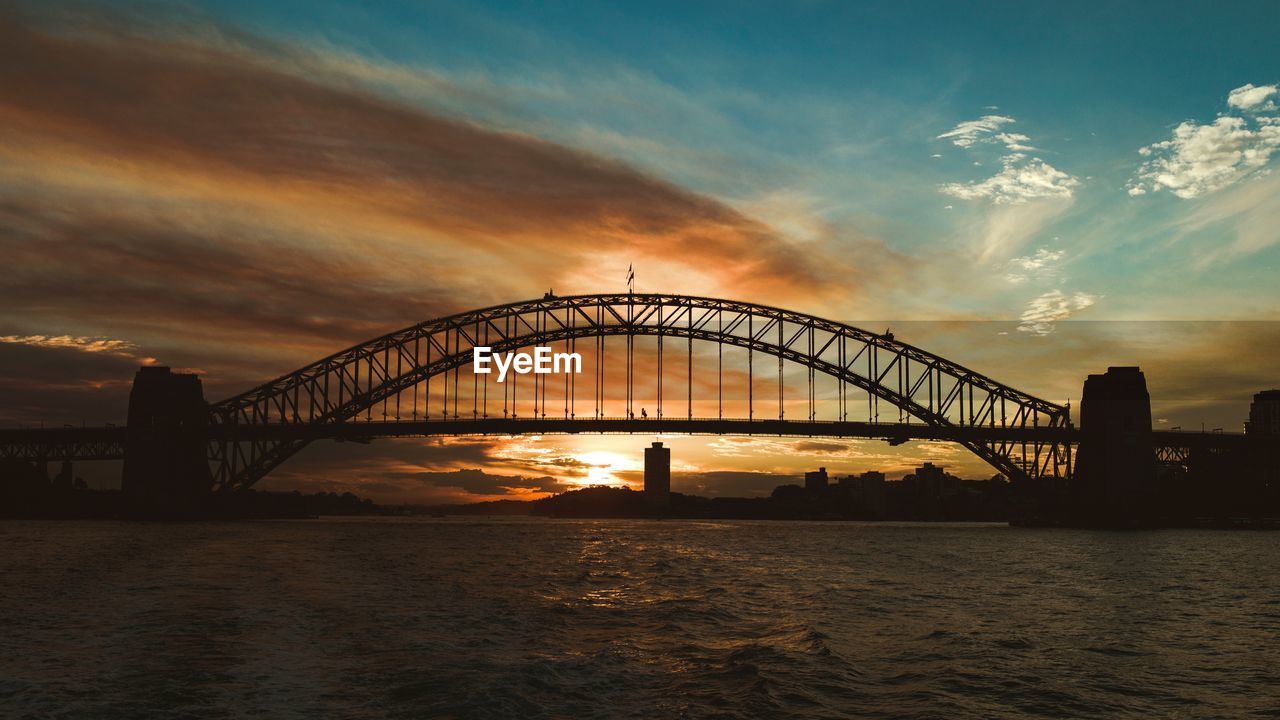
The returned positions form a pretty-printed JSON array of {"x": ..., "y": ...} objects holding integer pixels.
[{"x": 417, "y": 375}]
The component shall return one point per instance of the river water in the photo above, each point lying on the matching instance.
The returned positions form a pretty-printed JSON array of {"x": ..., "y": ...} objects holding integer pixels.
[{"x": 532, "y": 618}]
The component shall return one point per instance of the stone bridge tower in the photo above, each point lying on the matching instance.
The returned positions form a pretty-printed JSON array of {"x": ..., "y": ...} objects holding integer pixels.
[
  {"x": 166, "y": 469},
  {"x": 1115, "y": 473}
]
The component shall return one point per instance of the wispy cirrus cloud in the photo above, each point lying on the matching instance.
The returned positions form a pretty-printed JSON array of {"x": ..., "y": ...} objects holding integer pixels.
[
  {"x": 986, "y": 130},
  {"x": 1042, "y": 312},
  {"x": 1241, "y": 220},
  {"x": 1201, "y": 159},
  {"x": 970, "y": 132},
  {"x": 122, "y": 348},
  {"x": 1040, "y": 265}
]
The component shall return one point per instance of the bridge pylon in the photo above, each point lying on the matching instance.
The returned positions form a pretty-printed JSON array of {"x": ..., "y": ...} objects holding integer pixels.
[
  {"x": 1115, "y": 473},
  {"x": 166, "y": 470}
]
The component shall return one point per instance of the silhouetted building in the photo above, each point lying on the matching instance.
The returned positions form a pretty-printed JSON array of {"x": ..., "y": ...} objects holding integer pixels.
[
  {"x": 928, "y": 491},
  {"x": 816, "y": 482},
  {"x": 1264, "y": 414},
  {"x": 932, "y": 481},
  {"x": 1115, "y": 470},
  {"x": 866, "y": 492},
  {"x": 789, "y": 492},
  {"x": 871, "y": 478},
  {"x": 657, "y": 476}
]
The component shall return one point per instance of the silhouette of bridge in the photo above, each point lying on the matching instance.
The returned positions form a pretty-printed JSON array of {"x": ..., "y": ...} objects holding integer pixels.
[
  {"x": 418, "y": 381},
  {"x": 394, "y": 372}
]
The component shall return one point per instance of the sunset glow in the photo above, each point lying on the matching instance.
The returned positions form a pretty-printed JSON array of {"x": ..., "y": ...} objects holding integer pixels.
[{"x": 405, "y": 177}]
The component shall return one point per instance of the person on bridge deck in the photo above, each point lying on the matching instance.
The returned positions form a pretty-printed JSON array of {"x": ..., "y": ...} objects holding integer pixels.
[{"x": 643, "y": 415}]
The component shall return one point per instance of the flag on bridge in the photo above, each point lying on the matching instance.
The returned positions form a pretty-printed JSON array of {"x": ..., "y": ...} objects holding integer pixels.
[{"x": 631, "y": 279}]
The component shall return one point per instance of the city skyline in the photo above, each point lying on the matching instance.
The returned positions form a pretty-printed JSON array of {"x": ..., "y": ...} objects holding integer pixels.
[{"x": 240, "y": 190}]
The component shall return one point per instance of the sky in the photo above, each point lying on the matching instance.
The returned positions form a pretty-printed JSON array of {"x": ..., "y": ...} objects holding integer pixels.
[{"x": 1036, "y": 191}]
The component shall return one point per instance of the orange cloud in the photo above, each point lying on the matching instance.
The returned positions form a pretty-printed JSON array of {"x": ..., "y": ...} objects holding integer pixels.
[{"x": 221, "y": 122}]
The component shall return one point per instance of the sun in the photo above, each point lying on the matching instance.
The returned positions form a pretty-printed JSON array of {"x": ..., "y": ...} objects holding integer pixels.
[{"x": 602, "y": 466}]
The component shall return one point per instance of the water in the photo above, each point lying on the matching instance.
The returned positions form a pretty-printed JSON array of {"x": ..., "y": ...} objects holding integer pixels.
[{"x": 527, "y": 618}]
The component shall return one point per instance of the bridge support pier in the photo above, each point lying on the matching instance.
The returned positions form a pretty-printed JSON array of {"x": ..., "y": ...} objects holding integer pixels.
[
  {"x": 1115, "y": 473},
  {"x": 166, "y": 468}
]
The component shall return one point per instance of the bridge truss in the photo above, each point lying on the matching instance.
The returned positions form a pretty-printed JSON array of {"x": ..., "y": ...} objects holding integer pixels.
[{"x": 423, "y": 373}]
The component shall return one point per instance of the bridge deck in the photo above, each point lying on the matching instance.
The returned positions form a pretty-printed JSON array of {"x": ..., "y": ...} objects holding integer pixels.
[{"x": 651, "y": 426}]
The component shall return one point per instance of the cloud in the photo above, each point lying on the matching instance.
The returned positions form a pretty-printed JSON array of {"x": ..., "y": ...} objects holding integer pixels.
[
  {"x": 1021, "y": 177},
  {"x": 243, "y": 206},
  {"x": 478, "y": 482},
  {"x": 434, "y": 470},
  {"x": 139, "y": 131},
  {"x": 1041, "y": 259},
  {"x": 764, "y": 449},
  {"x": 1202, "y": 159},
  {"x": 1020, "y": 180},
  {"x": 1250, "y": 97},
  {"x": 1239, "y": 221},
  {"x": 1042, "y": 312},
  {"x": 121, "y": 348},
  {"x": 1015, "y": 141},
  {"x": 56, "y": 384},
  {"x": 409, "y": 455},
  {"x": 971, "y": 132},
  {"x": 820, "y": 447},
  {"x": 730, "y": 483},
  {"x": 1040, "y": 266},
  {"x": 195, "y": 290}
]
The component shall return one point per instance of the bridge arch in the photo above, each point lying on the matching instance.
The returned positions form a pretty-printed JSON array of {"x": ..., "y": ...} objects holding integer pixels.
[{"x": 338, "y": 388}]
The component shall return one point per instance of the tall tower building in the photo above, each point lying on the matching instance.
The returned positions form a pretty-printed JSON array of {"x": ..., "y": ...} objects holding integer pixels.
[{"x": 657, "y": 476}]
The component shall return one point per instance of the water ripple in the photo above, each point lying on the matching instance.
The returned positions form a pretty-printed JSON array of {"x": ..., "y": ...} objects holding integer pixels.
[{"x": 527, "y": 618}]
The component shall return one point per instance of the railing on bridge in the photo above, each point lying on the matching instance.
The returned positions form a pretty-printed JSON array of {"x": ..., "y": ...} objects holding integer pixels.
[{"x": 57, "y": 444}]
